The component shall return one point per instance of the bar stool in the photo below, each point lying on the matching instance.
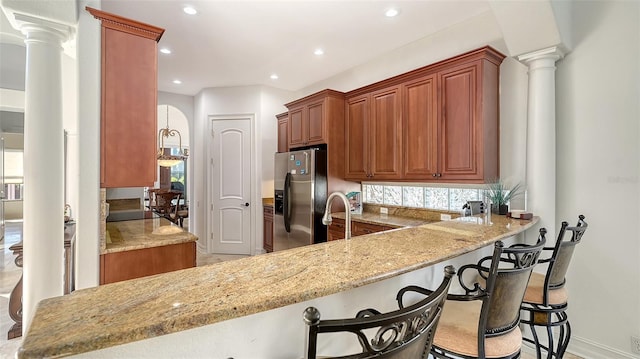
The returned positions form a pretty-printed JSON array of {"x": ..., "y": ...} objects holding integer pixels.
[
  {"x": 406, "y": 333},
  {"x": 545, "y": 301},
  {"x": 483, "y": 322}
]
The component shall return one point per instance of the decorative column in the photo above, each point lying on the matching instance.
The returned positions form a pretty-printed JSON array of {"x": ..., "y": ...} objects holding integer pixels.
[
  {"x": 541, "y": 136},
  {"x": 43, "y": 228}
]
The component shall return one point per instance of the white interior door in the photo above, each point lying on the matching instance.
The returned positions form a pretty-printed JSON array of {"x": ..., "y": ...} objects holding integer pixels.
[{"x": 231, "y": 186}]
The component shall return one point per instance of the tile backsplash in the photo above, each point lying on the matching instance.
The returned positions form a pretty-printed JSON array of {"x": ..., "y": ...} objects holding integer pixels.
[{"x": 440, "y": 198}]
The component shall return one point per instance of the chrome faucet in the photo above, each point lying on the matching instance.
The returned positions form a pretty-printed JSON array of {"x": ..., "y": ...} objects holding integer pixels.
[{"x": 326, "y": 218}]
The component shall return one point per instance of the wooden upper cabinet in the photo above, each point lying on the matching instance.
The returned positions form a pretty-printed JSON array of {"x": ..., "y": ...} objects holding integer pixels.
[
  {"x": 420, "y": 123},
  {"x": 128, "y": 136},
  {"x": 460, "y": 128},
  {"x": 373, "y": 135},
  {"x": 308, "y": 118},
  {"x": 385, "y": 134},
  {"x": 356, "y": 140},
  {"x": 315, "y": 123},
  {"x": 296, "y": 127},
  {"x": 283, "y": 124},
  {"x": 437, "y": 123}
]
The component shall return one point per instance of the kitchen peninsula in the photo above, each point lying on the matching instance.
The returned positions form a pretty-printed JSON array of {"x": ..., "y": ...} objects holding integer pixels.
[
  {"x": 138, "y": 247},
  {"x": 131, "y": 318}
]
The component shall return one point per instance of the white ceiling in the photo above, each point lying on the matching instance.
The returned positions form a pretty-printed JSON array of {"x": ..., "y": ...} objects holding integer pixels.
[{"x": 238, "y": 43}]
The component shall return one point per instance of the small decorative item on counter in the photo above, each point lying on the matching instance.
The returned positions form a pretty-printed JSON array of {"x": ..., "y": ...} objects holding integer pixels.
[
  {"x": 355, "y": 202},
  {"x": 473, "y": 207},
  {"x": 499, "y": 194},
  {"x": 67, "y": 213},
  {"x": 520, "y": 214}
]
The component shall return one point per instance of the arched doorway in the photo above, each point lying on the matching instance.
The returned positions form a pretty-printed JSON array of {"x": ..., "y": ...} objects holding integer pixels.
[{"x": 173, "y": 177}]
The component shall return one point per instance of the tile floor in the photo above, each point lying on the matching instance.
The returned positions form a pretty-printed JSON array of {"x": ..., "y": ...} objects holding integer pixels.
[{"x": 10, "y": 274}]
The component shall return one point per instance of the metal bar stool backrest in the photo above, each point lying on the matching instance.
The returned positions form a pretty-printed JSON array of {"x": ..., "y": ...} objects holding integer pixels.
[
  {"x": 506, "y": 279},
  {"x": 562, "y": 254},
  {"x": 406, "y": 333}
]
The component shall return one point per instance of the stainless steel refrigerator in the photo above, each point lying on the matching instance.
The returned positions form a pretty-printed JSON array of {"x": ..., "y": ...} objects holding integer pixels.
[{"x": 299, "y": 199}]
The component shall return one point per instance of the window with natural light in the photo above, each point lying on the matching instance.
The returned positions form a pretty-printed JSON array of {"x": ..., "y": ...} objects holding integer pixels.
[{"x": 13, "y": 174}]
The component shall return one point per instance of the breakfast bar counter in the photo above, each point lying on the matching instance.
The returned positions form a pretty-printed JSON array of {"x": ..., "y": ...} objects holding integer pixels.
[
  {"x": 144, "y": 233},
  {"x": 145, "y": 308}
]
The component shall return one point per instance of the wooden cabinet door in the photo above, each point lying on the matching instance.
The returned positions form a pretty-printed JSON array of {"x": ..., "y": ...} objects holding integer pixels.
[
  {"x": 283, "y": 124},
  {"x": 315, "y": 133},
  {"x": 128, "y": 127},
  {"x": 336, "y": 229},
  {"x": 420, "y": 120},
  {"x": 296, "y": 127},
  {"x": 385, "y": 134},
  {"x": 360, "y": 228},
  {"x": 119, "y": 266},
  {"x": 459, "y": 126},
  {"x": 267, "y": 229},
  {"x": 356, "y": 138}
]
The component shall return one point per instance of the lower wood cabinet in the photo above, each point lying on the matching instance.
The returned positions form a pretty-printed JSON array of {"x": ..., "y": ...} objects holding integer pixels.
[
  {"x": 267, "y": 229},
  {"x": 336, "y": 229},
  {"x": 125, "y": 265},
  {"x": 360, "y": 229}
]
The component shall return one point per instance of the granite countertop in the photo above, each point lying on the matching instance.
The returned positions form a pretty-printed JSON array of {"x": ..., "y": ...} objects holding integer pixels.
[
  {"x": 384, "y": 219},
  {"x": 144, "y": 233},
  {"x": 138, "y": 309}
]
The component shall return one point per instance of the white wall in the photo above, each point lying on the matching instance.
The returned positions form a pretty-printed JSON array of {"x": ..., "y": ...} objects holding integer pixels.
[
  {"x": 264, "y": 103},
  {"x": 88, "y": 211},
  {"x": 479, "y": 31},
  {"x": 598, "y": 171},
  {"x": 272, "y": 101}
]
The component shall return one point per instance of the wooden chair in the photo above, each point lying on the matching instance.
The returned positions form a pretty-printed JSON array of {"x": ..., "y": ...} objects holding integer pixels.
[
  {"x": 153, "y": 197},
  {"x": 483, "y": 322},
  {"x": 402, "y": 334},
  {"x": 179, "y": 212},
  {"x": 545, "y": 301},
  {"x": 164, "y": 202}
]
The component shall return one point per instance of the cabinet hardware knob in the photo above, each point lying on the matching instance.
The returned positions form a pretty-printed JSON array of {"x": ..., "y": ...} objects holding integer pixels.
[
  {"x": 439, "y": 174},
  {"x": 434, "y": 175},
  {"x": 246, "y": 204}
]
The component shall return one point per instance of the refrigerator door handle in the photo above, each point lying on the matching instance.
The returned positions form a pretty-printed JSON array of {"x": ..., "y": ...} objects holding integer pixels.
[{"x": 287, "y": 203}]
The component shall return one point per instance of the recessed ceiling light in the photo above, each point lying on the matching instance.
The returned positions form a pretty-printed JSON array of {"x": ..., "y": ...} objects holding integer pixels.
[
  {"x": 274, "y": 76},
  {"x": 177, "y": 82},
  {"x": 391, "y": 12},
  {"x": 164, "y": 50},
  {"x": 189, "y": 10},
  {"x": 319, "y": 52}
]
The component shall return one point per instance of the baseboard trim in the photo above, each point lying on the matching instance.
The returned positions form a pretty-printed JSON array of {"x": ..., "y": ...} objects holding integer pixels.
[{"x": 589, "y": 349}]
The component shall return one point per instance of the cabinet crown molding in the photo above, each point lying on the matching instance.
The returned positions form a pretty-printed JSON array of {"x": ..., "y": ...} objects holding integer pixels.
[
  {"x": 320, "y": 94},
  {"x": 120, "y": 23},
  {"x": 487, "y": 53}
]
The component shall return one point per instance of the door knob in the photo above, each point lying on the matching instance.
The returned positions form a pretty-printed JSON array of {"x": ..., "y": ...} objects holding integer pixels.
[{"x": 246, "y": 204}]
